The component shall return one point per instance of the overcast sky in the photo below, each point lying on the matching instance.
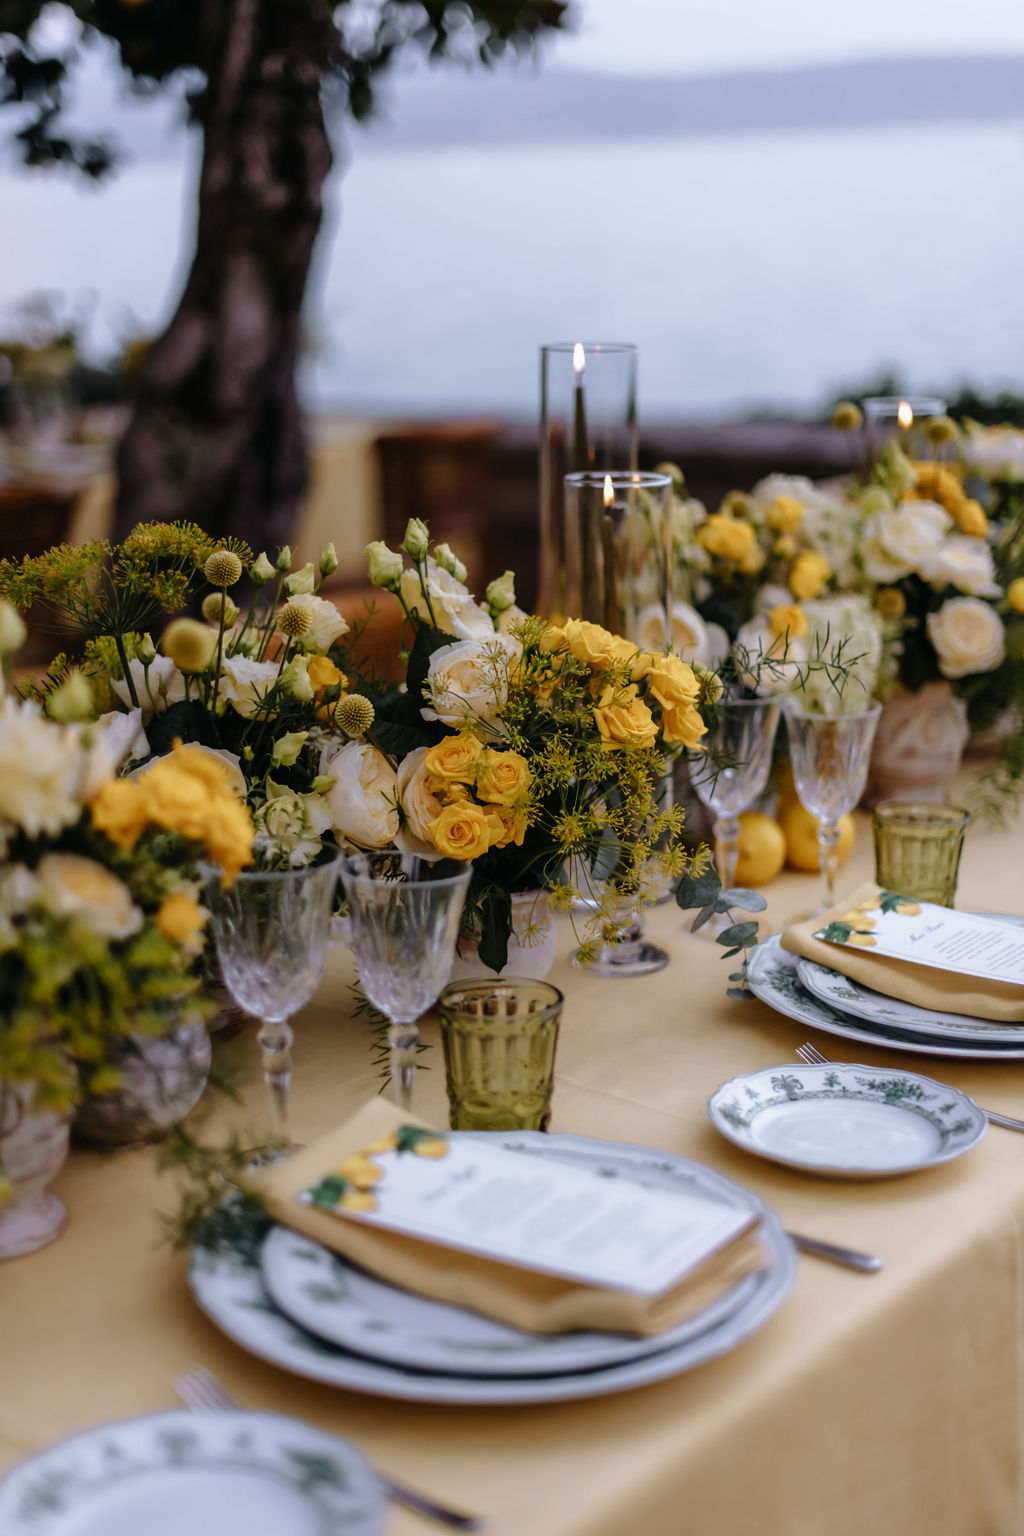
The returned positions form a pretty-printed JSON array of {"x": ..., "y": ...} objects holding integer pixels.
[{"x": 673, "y": 36}]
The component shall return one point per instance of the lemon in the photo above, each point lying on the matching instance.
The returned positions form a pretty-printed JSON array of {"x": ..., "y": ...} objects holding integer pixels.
[
  {"x": 801, "y": 830},
  {"x": 762, "y": 849}
]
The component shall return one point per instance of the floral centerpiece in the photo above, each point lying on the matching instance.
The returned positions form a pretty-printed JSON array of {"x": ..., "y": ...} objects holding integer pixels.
[{"x": 532, "y": 751}]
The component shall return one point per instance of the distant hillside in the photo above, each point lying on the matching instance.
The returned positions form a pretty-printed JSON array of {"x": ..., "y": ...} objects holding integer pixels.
[{"x": 427, "y": 109}]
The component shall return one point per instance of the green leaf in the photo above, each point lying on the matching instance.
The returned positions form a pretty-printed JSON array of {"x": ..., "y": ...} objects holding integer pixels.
[
  {"x": 737, "y": 976},
  {"x": 747, "y": 901},
  {"x": 741, "y": 994},
  {"x": 188, "y": 720},
  {"x": 739, "y": 933},
  {"x": 703, "y": 916},
  {"x": 496, "y": 925},
  {"x": 329, "y": 1190},
  {"x": 427, "y": 641},
  {"x": 698, "y": 892}
]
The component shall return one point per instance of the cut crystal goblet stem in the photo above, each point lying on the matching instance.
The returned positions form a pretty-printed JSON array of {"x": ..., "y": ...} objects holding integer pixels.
[{"x": 828, "y": 846}]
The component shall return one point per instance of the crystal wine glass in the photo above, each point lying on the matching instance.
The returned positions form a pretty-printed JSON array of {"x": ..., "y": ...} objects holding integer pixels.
[
  {"x": 404, "y": 916},
  {"x": 271, "y": 929},
  {"x": 732, "y": 771},
  {"x": 830, "y": 755}
]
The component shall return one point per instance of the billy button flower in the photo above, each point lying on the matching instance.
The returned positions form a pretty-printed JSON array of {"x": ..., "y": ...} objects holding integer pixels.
[
  {"x": 293, "y": 620},
  {"x": 784, "y": 514},
  {"x": 788, "y": 619},
  {"x": 189, "y": 644},
  {"x": 847, "y": 417},
  {"x": 1015, "y": 594},
  {"x": 354, "y": 714},
  {"x": 219, "y": 609},
  {"x": 223, "y": 568},
  {"x": 891, "y": 604}
]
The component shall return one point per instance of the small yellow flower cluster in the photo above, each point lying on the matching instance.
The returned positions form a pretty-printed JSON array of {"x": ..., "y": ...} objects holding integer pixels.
[
  {"x": 189, "y": 792},
  {"x": 809, "y": 575},
  {"x": 728, "y": 538},
  {"x": 458, "y": 768},
  {"x": 937, "y": 483}
]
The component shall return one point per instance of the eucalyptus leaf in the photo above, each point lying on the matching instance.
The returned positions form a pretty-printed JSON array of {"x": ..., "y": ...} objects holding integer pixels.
[
  {"x": 703, "y": 916},
  {"x": 699, "y": 891},
  {"x": 730, "y": 952},
  {"x": 741, "y": 994},
  {"x": 739, "y": 933},
  {"x": 748, "y": 901}
]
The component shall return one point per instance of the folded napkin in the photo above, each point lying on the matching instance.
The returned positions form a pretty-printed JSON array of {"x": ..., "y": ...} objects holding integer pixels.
[
  {"x": 524, "y": 1298},
  {"x": 926, "y": 985}
]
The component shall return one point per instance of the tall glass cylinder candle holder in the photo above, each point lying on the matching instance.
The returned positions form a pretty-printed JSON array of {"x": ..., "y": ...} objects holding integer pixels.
[
  {"x": 616, "y": 555},
  {"x": 587, "y": 422},
  {"x": 894, "y": 418}
]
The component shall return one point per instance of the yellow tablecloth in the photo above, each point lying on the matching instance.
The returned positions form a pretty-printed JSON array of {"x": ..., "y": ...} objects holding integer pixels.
[{"x": 886, "y": 1404}]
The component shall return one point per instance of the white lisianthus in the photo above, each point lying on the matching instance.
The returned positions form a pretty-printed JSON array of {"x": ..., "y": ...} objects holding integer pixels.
[
  {"x": 968, "y": 637},
  {"x": 302, "y": 581},
  {"x": 419, "y": 804},
  {"x": 47, "y": 771},
  {"x": 82, "y": 889},
  {"x": 363, "y": 803},
  {"x": 685, "y": 632},
  {"x": 451, "y": 607},
  {"x": 768, "y": 662},
  {"x": 244, "y": 683},
  {"x": 995, "y": 452},
  {"x": 13, "y": 633},
  {"x": 509, "y": 619},
  {"x": 156, "y": 685},
  {"x": 966, "y": 563},
  {"x": 903, "y": 542},
  {"x": 286, "y": 749},
  {"x": 467, "y": 683},
  {"x": 123, "y": 735},
  {"x": 325, "y": 623},
  {"x": 291, "y": 824},
  {"x": 295, "y": 680}
]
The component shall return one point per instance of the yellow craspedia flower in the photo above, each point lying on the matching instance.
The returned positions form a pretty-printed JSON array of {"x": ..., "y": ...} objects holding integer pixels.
[
  {"x": 847, "y": 416},
  {"x": 119, "y": 810},
  {"x": 941, "y": 430},
  {"x": 1015, "y": 594},
  {"x": 464, "y": 830},
  {"x": 890, "y": 603},
  {"x": 726, "y": 537},
  {"x": 218, "y": 606},
  {"x": 788, "y": 619},
  {"x": 809, "y": 574},
  {"x": 784, "y": 514},
  {"x": 354, "y": 714},
  {"x": 223, "y": 568},
  {"x": 623, "y": 720},
  {"x": 181, "y": 918},
  {"x": 503, "y": 777},
  {"x": 736, "y": 504},
  {"x": 784, "y": 547},
  {"x": 935, "y": 482},
  {"x": 293, "y": 620},
  {"x": 456, "y": 757},
  {"x": 189, "y": 644},
  {"x": 972, "y": 519}
]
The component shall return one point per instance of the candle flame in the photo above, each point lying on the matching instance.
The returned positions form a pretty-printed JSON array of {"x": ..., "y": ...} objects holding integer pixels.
[
  {"x": 905, "y": 415},
  {"x": 579, "y": 358},
  {"x": 609, "y": 491}
]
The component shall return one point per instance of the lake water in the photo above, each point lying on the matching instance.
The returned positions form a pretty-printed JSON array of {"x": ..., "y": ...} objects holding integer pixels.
[{"x": 750, "y": 270}]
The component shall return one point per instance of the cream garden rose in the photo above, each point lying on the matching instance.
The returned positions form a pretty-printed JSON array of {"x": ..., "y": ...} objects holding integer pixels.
[
  {"x": 420, "y": 805},
  {"x": 965, "y": 563},
  {"x": 968, "y": 637},
  {"x": 467, "y": 682},
  {"x": 363, "y": 801},
  {"x": 82, "y": 889},
  {"x": 903, "y": 542}
]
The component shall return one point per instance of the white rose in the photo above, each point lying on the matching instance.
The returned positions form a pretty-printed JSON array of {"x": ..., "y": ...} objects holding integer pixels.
[
  {"x": 420, "y": 804},
  {"x": 467, "y": 683},
  {"x": 772, "y": 663},
  {"x": 156, "y": 686},
  {"x": 996, "y": 452},
  {"x": 244, "y": 683},
  {"x": 122, "y": 735},
  {"x": 46, "y": 770},
  {"x": 70, "y": 886},
  {"x": 325, "y": 623},
  {"x": 968, "y": 637},
  {"x": 901, "y": 543},
  {"x": 451, "y": 607},
  {"x": 965, "y": 563},
  {"x": 689, "y": 635},
  {"x": 650, "y": 629},
  {"x": 363, "y": 802}
]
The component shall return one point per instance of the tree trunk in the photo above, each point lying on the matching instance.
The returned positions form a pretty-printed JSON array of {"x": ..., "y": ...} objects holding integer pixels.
[{"x": 216, "y": 434}]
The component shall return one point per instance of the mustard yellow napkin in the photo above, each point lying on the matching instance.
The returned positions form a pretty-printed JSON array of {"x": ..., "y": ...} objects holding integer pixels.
[
  {"x": 925, "y": 985},
  {"x": 527, "y": 1299}
]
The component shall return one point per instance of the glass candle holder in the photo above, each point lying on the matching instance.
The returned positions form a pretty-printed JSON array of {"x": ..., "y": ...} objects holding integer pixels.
[
  {"x": 917, "y": 849},
  {"x": 894, "y": 417},
  {"x": 616, "y": 557},
  {"x": 499, "y": 1040},
  {"x": 587, "y": 422}
]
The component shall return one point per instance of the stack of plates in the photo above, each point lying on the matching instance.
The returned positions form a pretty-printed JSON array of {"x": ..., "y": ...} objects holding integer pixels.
[
  {"x": 823, "y": 999},
  {"x": 306, "y": 1309}
]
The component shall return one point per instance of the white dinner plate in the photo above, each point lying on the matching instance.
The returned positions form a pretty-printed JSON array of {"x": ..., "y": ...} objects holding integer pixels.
[
  {"x": 847, "y": 1121},
  {"x": 195, "y": 1474},
  {"x": 329, "y": 1296},
  {"x": 772, "y": 976},
  {"x": 227, "y": 1283},
  {"x": 857, "y": 1001}
]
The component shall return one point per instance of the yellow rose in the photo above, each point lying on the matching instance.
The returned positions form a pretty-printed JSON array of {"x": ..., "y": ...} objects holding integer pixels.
[
  {"x": 809, "y": 574},
  {"x": 514, "y": 820},
  {"x": 784, "y": 546},
  {"x": 503, "y": 778},
  {"x": 682, "y": 724},
  {"x": 972, "y": 519},
  {"x": 600, "y": 649},
  {"x": 1015, "y": 594},
  {"x": 119, "y": 810},
  {"x": 726, "y": 537},
  {"x": 788, "y": 619},
  {"x": 752, "y": 561},
  {"x": 456, "y": 757},
  {"x": 784, "y": 514},
  {"x": 891, "y": 604},
  {"x": 673, "y": 681},
  {"x": 181, "y": 918},
  {"x": 323, "y": 674},
  {"x": 624, "y": 720},
  {"x": 464, "y": 830}
]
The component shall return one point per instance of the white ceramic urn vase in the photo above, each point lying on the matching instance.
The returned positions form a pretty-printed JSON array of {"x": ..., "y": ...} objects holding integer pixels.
[{"x": 33, "y": 1147}]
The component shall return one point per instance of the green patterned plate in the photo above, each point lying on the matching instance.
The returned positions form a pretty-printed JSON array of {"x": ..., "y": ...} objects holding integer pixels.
[
  {"x": 847, "y": 1121},
  {"x": 204, "y": 1474}
]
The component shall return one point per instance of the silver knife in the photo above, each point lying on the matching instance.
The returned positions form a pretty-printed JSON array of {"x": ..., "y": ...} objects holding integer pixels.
[{"x": 865, "y": 1263}]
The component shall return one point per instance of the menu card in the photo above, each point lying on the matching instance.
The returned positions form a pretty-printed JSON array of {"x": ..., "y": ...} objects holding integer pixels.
[
  {"x": 925, "y": 934},
  {"x": 536, "y": 1213}
]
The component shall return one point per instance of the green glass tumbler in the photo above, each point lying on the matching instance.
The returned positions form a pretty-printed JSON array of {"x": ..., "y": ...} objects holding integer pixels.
[
  {"x": 499, "y": 1041},
  {"x": 917, "y": 849}
]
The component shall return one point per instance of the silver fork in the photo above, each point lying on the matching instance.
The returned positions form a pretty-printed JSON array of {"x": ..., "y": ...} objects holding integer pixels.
[
  {"x": 200, "y": 1391},
  {"x": 810, "y": 1054}
]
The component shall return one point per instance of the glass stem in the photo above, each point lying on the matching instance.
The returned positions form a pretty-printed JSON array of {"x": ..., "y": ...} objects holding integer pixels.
[
  {"x": 828, "y": 854},
  {"x": 727, "y": 831},
  {"x": 276, "y": 1044},
  {"x": 403, "y": 1039}
]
